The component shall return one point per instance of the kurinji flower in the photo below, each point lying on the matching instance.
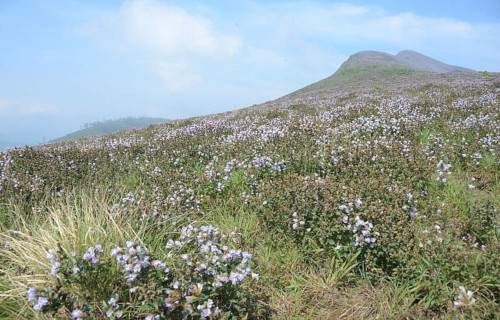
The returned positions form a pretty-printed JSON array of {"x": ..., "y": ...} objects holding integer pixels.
[
  {"x": 112, "y": 302},
  {"x": 77, "y": 314},
  {"x": 132, "y": 277},
  {"x": 205, "y": 313},
  {"x": 51, "y": 255},
  {"x": 464, "y": 298},
  {"x": 130, "y": 244},
  {"x": 55, "y": 268},
  {"x": 92, "y": 253},
  {"x": 31, "y": 294},
  {"x": 115, "y": 251},
  {"x": 42, "y": 301}
]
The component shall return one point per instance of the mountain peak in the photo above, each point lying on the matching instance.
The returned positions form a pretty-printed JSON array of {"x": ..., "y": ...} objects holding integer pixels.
[
  {"x": 372, "y": 65},
  {"x": 369, "y": 58},
  {"x": 405, "y": 58},
  {"x": 371, "y": 53},
  {"x": 419, "y": 61}
]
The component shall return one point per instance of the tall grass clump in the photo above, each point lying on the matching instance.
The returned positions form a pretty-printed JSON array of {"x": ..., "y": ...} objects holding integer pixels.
[{"x": 67, "y": 229}]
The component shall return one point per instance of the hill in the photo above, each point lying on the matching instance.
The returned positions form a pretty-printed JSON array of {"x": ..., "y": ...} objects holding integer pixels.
[
  {"x": 370, "y": 67},
  {"x": 419, "y": 61},
  {"x": 352, "y": 202},
  {"x": 109, "y": 126}
]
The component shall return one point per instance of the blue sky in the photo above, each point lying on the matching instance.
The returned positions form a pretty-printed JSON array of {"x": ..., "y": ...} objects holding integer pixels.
[{"x": 66, "y": 62}]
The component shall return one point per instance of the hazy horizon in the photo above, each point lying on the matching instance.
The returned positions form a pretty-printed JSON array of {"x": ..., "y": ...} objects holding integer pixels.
[{"x": 66, "y": 63}]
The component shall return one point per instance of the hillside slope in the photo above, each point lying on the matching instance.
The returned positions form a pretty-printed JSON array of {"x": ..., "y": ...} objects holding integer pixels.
[
  {"x": 109, "y": 126},
  {"x": 419, "y": 61},
  {"x": 370, "y": 67}
]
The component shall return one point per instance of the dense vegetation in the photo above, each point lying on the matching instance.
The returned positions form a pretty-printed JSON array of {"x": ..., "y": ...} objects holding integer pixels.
[{"x": 348, "y": 203}]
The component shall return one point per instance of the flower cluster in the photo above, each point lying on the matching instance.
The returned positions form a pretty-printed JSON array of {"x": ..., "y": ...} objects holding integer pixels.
[
  {"x": 51, "y": 256},
  {"x": 363, "y": 230},
  {"x": 93, "y": 254},
  {"x": 465, "y": 298},
  {"x": 298, "y": 223},
  {"x": 200, "y": 265},
  {"x": 134, "y": 260},
  {"x": 39, "y": 301},
  {"x": 367, "y": 236},
  {"x": 69, "y": 270},
  {"x": 201, "y": 271},
  {"x": 442, "y": 171},
  {"x": 113, "y": 309}
]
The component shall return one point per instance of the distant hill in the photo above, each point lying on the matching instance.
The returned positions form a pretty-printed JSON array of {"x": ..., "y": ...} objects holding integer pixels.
[
  {"x": 109, "y": 126},
  {"x": 374, "y": 65}
]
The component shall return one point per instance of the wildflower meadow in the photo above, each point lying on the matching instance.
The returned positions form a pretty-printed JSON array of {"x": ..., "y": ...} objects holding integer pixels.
[{"x": 360, "y": 201}]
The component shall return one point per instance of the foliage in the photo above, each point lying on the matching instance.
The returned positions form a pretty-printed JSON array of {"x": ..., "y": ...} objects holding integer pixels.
[{"x": 198, "y": 275}]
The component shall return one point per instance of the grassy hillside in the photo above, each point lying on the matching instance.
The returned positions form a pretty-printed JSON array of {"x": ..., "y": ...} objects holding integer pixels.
[
  {"x": 350, "y": 203},
  {"x": 109, "y": 126},
  {"x": 370, "y": 67},
  {"x": 365, "y": 66}
]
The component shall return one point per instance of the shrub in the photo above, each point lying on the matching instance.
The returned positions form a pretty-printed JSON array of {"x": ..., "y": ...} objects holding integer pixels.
[{"x": 199, "y": 275}]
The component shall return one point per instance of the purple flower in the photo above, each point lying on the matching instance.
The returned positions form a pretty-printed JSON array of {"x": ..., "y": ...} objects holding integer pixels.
[
  {"x": 55, "y": 268},
  {"x": 42, "y": 301},
  {"x": 51, "y": 255},
  {"x": 31, "y": 294},
  {"x": 112, "y": 302},
  {"x": 77, "y": 314},
  {"x": 115, "y": 251}
]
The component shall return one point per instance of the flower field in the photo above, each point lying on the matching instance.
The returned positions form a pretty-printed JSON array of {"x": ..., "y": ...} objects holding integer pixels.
[{"x": 366, "y": 201}]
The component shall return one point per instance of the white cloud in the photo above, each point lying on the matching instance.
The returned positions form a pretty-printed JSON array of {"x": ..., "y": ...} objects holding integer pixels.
[
  {"x": 405, "y": 29},
  {"x": 167, "y": 29},
  {"x": 171, "y": 39},
  {"x": 363, "y": 22},
  {"x": 339, "y": 28}
]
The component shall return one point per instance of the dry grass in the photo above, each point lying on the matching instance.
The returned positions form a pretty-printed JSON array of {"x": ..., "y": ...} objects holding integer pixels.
[{"x": 71, "y": 225}]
